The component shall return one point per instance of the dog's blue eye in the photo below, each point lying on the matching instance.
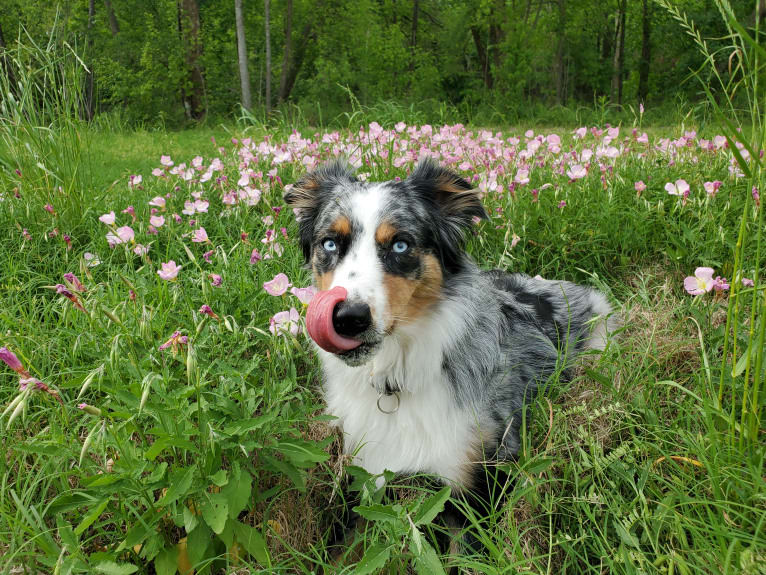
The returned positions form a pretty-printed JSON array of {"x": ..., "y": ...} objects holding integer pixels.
[
  {"x": 400, "y": 247},
  {"x": 329, "y": 245}
]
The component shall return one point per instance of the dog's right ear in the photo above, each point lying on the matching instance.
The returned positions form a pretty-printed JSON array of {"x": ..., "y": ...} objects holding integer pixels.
[{"x": 308, "y": 194}]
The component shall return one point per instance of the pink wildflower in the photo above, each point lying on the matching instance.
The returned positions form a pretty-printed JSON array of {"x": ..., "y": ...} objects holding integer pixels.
[
  {"x": 639, "y": 186},
  {"x": 169, "y": 270},
  {"x": 200, "y": 236},
  {"x": 62, "y": 290},
  {"x": 701, "y": 282},
  {"x": 108, "y": 219},
  {"x": 207, "y": 255},
  {"x": 157, "y": 221},
  {"x": 278, "y": 285},
  {"x": 207, "y": 310},
  {"x": 49, "y": 208},
  {"x": 216, "y": 280},
  {"x": 73, "y": 282},
  {"x": 255, "y": 257},
  {"x": 10, "y": 359},
  {"x": 175, "y": 342},
  {"x": 285, "y": 322},
  {"x": 305, "y": 295}
]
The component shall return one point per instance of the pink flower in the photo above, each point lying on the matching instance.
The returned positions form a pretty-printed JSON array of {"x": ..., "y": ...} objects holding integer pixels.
[
  {"x": 141, "y": 250},
  {"x": 255, "y": 257},
  {"x": 130, "y": 210},
  {"x": 26, "y": 234},
  {"x": 200, "y": 236},
  {"x": 158, "y": 202},
  {"x": 720, "y": 284},
  {"x": 166, "y": 161},
  {"x": 639, "y": 186},
  {"x": 169, "y": 270},
  {"x": 207, "y": 310},
  {"x": 207, "y": 255},
  {"x": 285, "y": 322},
  {"x": 135, "y": 180},
  {"x": 712, "y": 187},
  {"x": 577, "y": 172},
  {"x": 679, "y": 188},
  {"x": 756, "y": 196},
  {"x": 701, "y": 282},
  {"x": 10, "y": 359},
  {"x": 62, "y": 290},
  {"x": 73, "y": 282},
  {"x": 175, "y": 342},
  {"x": 747, "y": 282},
  {"x": 157, "y": 221},
  {"x": 108, "y": 219},
  {"x": 216, "y": 280},
  {"x": 201, "y": 206},
  {"x": 91, "y": 260},
  {"x": 67, "y": 241},
  {"x": 562, "y": 204},
  {"x": 49, "y": 208},
  {"x": 305, "y": 295},
  {"x": 278, "y": 285},
  {"x": 121, "y": 235}
]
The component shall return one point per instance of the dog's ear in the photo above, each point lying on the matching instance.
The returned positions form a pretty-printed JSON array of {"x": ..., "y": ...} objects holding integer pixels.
[
  {"x": 457, "y": 204},
  {"x": 307, "y": 195}
]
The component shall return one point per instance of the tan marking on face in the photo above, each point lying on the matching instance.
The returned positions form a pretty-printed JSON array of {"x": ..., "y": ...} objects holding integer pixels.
[
  {"x": 322, "y": 281},
  {"x": 385, "y": 233},
  {"x": 341, "y": 226},
  {"x": 407, "y": 298}
]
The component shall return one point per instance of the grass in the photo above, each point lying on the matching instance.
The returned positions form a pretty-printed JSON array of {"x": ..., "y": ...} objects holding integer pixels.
[
  {"x": 219, "y": 456},
  {"x": 213, "y": 456}
]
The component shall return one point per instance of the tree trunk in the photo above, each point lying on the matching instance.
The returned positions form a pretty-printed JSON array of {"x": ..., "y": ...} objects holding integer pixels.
[
  {"x": 646, "y": 55},
  {"x": 244, "y": 72},
  {"x": 89, "y": 105},
  {"x": 113, "y": 24},
  {"x": 619, "y": 54},
  {"x": 194, "y": 86},
  {"x": 558, "y": 67},
  {"x": 496, "y": 33},
  {"x": 287, "y": 52},
  {"x": 268, "y": 56},
  {"x": 481, "y": 50},
  {"x": 414, "y": 33},
  {"x": 306, "y": 36}
]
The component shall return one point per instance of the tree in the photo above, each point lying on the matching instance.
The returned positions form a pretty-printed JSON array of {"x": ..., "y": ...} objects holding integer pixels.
[
  {"x": 559, "y": 70},
  {"x": 89, "y": 103},
  {"x": 283, "y": 93},
  {"x": 618, "y": 62},
  {"x": 646, "y": 54},
  {"x": 244, "y": 72},
  {"x": 113, "y": 24},
  {"x": 267, "y": 24},
  {"x": 193, "y": 89}
]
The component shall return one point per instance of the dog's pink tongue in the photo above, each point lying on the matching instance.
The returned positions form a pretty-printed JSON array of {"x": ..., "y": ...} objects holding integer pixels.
[{"x": 319, "y": 321}]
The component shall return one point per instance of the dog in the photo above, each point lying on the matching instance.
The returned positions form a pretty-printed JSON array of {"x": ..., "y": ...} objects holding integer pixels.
[{"x": 428, "y": 361}]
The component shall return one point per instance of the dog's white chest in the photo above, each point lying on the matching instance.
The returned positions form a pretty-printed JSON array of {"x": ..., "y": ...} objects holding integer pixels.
[{"x": 427, "y": 433}]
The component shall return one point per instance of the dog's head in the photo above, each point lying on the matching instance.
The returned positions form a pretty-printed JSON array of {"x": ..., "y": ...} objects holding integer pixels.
[{"x": 391, "y": 245}]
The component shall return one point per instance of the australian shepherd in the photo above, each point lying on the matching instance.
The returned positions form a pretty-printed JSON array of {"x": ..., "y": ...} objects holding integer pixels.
[{"x": 428, "y": 360}]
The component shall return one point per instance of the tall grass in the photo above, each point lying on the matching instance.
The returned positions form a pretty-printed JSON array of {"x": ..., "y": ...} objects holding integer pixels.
[
  {"x": 737, "y": 104},
  {"x": 43, "y": 143}
]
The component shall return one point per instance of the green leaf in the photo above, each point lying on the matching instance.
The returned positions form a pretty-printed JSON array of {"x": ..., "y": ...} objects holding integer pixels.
[
  {"x": 66, "y": 534},
  {"x": 742, "y": 362},
  {"x": 197, "y": 542},
  {"x": 237, "y": 491},
  {"x": 431, "y": 507},
  {"x": 248, "y": 425},
  {"x": 374, "y": 560},
  {"x": 180, "y": 481},
  {"x": 289, "y": 470},
  {"x": 215, "y": 511},
  {"x": 301, "y": 452},
  {"x": 112, "y": 568},
  {"x": 428, "y": 563},
  {"x": 253, "y": 542},
  {"x": 94, "y": 514},
  {"x": 166, "y": 561},
  {"x": 378, "y": 512},
  {"x": 625, "y": 536},
  {"x": 220, "y": 479}
]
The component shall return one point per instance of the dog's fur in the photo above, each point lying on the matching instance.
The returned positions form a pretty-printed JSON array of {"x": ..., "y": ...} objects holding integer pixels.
[{"x": 464, "y": 349}]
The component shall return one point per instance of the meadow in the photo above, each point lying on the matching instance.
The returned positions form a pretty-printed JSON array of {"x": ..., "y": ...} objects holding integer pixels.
[{"x": 164, "y": 414}]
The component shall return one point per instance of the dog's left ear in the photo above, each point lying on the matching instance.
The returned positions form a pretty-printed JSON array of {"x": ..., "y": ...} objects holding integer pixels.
[
  {"x": 309, "y": 193},
  {"x": 456, "y": 204},
  {"x": 456, "y": 199}
]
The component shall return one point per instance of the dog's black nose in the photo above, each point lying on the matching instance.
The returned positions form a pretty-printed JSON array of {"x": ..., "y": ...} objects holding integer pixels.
[{"x": 351, "y": 319}]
